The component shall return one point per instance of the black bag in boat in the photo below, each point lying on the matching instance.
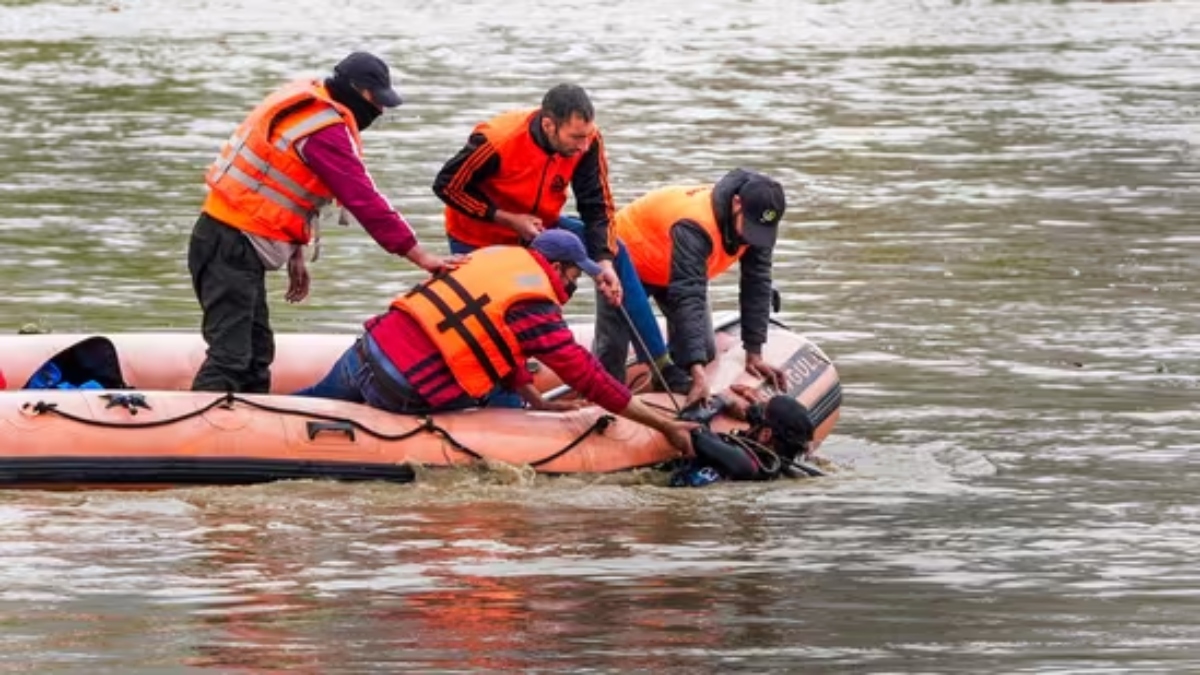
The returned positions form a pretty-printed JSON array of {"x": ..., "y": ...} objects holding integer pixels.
[{"x": 91, "y": 363}]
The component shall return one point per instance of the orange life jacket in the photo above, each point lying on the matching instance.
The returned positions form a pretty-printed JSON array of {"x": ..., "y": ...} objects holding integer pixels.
[
  {"x": 259, "y": 183},
  {"x": 529, "y": 181},
  {"x": 463, "y": 313},
  {"x": 645, "y": 228}
]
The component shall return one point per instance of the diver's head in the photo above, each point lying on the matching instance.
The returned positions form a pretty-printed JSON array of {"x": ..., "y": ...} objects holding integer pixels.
[{"x": 783, "y": 424}]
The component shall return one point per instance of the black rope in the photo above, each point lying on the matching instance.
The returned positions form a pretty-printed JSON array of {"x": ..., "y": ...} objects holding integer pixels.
[
  {"x": 42, "y": 407},
  {"x": 598, "y": 426},
  {"x": 802, "y": 466},
  {"x": 427, "y": 424},
  {"x": 760, "y": 451}
]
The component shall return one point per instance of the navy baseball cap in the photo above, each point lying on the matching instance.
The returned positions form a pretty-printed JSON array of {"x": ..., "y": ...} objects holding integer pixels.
[
  {"x": 369, "y": 72},
  {"x": 763, "y": 205},
  {"x": 562, "y": 246}
]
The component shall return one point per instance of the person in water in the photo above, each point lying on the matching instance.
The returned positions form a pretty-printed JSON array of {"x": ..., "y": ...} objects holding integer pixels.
[
  {"x": 462, "y": 337},
  {"x": 778, "y": 441}
]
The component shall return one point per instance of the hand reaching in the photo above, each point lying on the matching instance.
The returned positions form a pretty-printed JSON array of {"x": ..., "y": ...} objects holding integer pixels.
[
  {"x": 434, "y": 263},
  {"x": 558, "y": 406},
  {"x": 609, "y": 284},
  {"x": 680, "y": 435},
  {"x": 527, "y": 227},
  {"x": 768, "y": 373},
  {"x": 699, "y": 390}
]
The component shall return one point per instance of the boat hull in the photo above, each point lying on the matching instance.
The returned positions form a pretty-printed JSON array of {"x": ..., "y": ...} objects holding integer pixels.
[{"x": 160, "y": 434}]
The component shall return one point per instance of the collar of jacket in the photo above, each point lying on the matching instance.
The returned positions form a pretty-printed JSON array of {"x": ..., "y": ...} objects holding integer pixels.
[
  {"x": 722, "y": 201},
  {"x": 539, "y": 136}
]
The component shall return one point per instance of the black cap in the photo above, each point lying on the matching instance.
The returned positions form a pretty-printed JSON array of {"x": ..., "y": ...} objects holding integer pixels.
[
  {"x": 369, "y": 72},
  {"x": 763, "y": 205},
  {"x": 789, "y": 420}
]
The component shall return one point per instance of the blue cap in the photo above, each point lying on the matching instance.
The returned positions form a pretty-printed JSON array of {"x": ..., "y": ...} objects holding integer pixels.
[{"x": 563, "y": 246}]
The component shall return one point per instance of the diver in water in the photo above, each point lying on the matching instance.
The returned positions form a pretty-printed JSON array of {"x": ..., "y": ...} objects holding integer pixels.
[{"x": 777, "y": 442}]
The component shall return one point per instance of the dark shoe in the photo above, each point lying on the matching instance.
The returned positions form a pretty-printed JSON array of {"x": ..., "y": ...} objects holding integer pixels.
[{"x": 678, "y": 381}]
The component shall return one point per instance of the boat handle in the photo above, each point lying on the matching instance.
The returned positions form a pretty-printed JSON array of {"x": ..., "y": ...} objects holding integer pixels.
[{"x": 315, "y": 428}]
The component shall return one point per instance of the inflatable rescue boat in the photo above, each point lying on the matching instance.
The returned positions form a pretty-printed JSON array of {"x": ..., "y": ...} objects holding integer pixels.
[{"x": 117, "y": 413}]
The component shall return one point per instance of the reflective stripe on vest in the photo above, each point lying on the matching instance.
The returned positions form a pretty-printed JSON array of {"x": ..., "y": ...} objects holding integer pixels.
[
  {"x": 314, "y": 123},
  {"x": 644, "y": 226},
  {"x": 464, "y": 313},
  {"x": 260, "y": 184}
]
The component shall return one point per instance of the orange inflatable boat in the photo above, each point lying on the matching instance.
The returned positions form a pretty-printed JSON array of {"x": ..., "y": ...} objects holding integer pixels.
[{"x": 154, "y": 433}]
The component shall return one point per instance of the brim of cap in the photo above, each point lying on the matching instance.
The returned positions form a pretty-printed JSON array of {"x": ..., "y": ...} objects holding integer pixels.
[
  {"x": 590, "y": 268},
  {"x": 757, "y": 234},
  {"x": 387, "y": 97}
]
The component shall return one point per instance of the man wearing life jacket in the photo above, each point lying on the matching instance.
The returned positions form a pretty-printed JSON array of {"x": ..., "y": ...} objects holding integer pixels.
[
  {"x": 682, "y": 237},
  {"x": 297, "y": 152},
  {"x": 458, "y": 338},
  {"x": 509, "y": 182}
]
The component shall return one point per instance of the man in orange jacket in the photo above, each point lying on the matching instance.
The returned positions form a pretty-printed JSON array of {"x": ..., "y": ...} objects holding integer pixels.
[
  {"x": 509, "y": 183},
  {"x": 459, "y": 338},
  {"x": 682, "y": 237},
  {"x": 296, "y": 153}
]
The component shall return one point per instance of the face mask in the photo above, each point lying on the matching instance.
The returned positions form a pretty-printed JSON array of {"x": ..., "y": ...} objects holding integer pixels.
[
  {"x": 343, "y": 92},
  {"x": 570, "y": 287}
]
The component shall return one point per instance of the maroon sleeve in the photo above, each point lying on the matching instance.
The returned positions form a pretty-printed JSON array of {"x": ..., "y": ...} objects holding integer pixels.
[
  {"x": 544, "y": 335},
  {"x": 330, "y": 154}
]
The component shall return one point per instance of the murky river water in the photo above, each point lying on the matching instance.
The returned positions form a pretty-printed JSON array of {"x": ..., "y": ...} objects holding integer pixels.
[{"x": 992, "y": 233}]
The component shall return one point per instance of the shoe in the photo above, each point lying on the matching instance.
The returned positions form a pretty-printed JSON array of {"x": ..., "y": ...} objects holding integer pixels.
[{"x": 678, "y": 381}]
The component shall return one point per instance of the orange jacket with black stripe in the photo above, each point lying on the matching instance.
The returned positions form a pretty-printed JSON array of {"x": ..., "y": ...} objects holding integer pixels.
[{"x": 509, "y": 164}]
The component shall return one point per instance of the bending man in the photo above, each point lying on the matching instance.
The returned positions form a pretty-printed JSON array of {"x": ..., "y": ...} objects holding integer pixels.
[
  {"x": 296, "y": 152},
  {"x": 463, "y": 335},
  {"x": 682, "y": 237}
]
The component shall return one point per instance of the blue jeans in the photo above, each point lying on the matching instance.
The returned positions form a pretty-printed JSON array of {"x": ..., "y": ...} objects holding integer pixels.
[
  {"x": 351, "y": 379},
  {"x": 635, "y": 300}
]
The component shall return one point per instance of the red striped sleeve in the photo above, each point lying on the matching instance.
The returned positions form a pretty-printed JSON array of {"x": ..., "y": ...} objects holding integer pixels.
[{"x": 543, "y": 334}]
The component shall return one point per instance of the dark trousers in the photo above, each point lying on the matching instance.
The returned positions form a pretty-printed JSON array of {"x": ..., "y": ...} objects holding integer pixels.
[
  {"x": 230, "y": 283},
  {"x": 613, "y": 335}
]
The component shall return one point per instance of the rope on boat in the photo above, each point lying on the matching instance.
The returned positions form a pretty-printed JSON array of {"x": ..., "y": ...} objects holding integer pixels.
[{"x": 428, "y": 425}]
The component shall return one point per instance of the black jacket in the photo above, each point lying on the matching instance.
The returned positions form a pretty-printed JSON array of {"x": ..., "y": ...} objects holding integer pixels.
[{"x": 685, "y": 299}]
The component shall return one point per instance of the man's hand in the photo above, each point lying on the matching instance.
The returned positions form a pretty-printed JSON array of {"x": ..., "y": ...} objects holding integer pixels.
[
  {"x": 298, "y": 279},
  {"x": 609, "y": 284},
  {"x": 768, "y": 373},
  {"x": 527, "y": 226},
  {"x": 534, "y": 398},
  {"x": 558, "y": 406},
  {"x": 699, "y": 390},
  {"x": 680, "y": 435},
  {"x": 739, "y": 400},
  {"x": 434, "y": 263}
]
